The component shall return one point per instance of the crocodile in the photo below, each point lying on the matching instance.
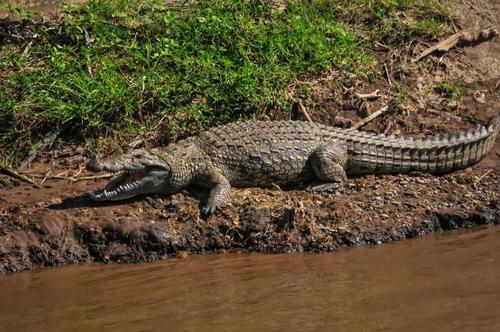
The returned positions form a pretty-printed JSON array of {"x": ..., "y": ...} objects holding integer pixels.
[{"x": 284, "y": 153}]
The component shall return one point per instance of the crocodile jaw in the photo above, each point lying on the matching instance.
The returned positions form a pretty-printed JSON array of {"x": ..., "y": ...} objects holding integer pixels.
[
  {"x": 118, "y": 192},
  {"x": 128, "y": 185}
]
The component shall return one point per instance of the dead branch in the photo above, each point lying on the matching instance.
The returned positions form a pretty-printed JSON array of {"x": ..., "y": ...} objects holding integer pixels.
[
  {"x": 381, "y": 46},
  {"x": 136, "y": 142},
  {"x": 479, "y": 179},
  {"x": 369, "y": 96},
  {"x": 388, "y": 76},
  {"x": 463, "y": 38},
  {"x": 304, "y": 111},
  {"x": 370, "y": 118},
  {"x": 10, "y": 36},
  {"x": 28, "y": 46},
  {"x": 160, "y": 121},
  {"x": 73, "y": 179},
  {"x": 10, "y": 172}
]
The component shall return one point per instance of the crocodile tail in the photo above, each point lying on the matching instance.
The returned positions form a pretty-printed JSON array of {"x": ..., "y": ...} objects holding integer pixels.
[
  {"x": 454, "y": 152},
  {"x": 434, "y": 154}
]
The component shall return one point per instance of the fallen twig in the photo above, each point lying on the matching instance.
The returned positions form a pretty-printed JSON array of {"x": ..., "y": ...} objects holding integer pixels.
[
  {"x": 454, "y": 26},
  {"x": 479, "y": 179},
  {"x": 379, "y": 44},
  {"x": 45, "y": 178},
  {"x": 14, "y": 174},
  {"x": 459, "y": 39},
  {"x": 369, "y": 96},
  {"x": 160, "y": 121},
  {"x": 388, "y": 76},
  {"x": 304, "y": 111},
  {"x": 326, "y": 228},
  {"x": 74, "y": 179},
  {"x": 135, "y": 142},
  {"x": 370, "y": 117},
  {"x": 10, "y": 36},
  {"x": 28, "y": 46}
]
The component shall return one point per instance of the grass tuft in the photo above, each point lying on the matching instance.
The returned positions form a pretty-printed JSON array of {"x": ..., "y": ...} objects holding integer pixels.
[{"x": 453, "y": 90}]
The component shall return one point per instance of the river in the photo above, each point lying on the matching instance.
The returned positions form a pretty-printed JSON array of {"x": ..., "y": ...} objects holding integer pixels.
[{"x": 442, "y": 282}]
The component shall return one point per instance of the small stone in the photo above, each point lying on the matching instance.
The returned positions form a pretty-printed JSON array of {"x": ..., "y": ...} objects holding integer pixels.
[
  {"x": 480, "y": 97},
  {"x": 452, "y": 105},
  {"x": 182, "y": 254}
]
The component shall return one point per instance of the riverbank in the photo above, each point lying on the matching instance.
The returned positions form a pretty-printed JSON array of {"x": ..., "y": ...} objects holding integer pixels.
[{"x": 55, "y": 223}]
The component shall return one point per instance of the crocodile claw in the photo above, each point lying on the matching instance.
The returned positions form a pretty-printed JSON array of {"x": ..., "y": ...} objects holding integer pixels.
[{"x": 210, "y": 208}]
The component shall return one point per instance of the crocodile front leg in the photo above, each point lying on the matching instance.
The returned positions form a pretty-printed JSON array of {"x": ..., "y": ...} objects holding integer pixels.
[{"x": 219, "y": 191}]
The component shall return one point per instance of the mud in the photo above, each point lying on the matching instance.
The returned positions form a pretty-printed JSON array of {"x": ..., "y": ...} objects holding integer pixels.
[{"x": 57, "y": 224}]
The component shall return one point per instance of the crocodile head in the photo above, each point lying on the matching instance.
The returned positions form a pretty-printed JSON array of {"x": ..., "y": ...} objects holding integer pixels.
[{"x": 139, "y": 172}]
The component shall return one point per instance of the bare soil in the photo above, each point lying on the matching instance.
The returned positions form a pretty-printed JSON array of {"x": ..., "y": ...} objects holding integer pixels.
[
  {"x": 57, "y": 224},
  {"x": 46, "y": 8}
]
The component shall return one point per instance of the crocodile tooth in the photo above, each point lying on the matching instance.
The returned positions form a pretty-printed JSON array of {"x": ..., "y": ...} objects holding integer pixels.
[{"x": 124, "y": 188}]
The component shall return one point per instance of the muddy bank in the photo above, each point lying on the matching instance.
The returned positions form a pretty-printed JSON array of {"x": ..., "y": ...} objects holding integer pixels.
[{"x": 57, "y": 224}]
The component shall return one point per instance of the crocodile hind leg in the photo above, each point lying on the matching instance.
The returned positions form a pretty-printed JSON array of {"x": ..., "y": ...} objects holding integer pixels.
[{"x": 328, "y": 163}]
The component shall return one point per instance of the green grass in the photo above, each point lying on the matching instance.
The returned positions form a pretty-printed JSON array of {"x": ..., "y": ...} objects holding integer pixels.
[
  {"x": 115, "y": 68},
  {"x": 392, "y": 21},
  {"x": 453, "y": 90}
]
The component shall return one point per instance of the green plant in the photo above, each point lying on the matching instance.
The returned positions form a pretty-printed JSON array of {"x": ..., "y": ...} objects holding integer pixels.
[{"x": 452, "y": 90}]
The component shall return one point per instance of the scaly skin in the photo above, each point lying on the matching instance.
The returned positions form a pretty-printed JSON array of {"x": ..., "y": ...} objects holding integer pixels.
[{"x": 261, "y": 154}]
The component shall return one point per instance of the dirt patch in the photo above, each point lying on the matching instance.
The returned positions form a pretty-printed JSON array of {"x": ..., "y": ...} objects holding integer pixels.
[
  {"x": 46, "y": 8},
  {"x": 57, "y": 224},
  {"x": 483, "y": 61}
]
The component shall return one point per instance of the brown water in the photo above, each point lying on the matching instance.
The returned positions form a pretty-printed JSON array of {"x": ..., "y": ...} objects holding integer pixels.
[{"x": 439, "y": 283}]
